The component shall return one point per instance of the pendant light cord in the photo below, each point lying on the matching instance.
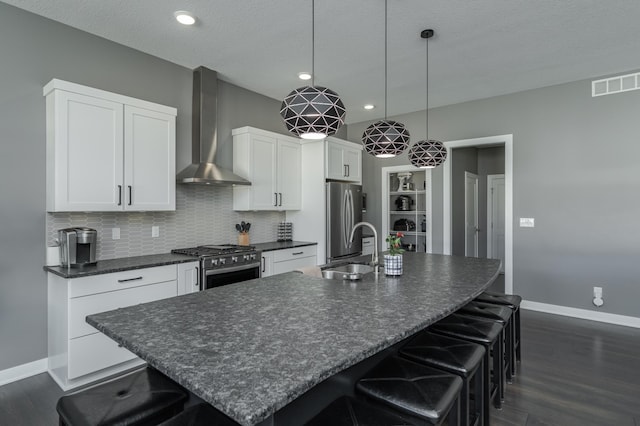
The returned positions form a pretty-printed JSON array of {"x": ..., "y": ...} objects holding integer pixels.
[
  {"x": 385, "y": 58},
  {"x": 313, "y": 42},
  {"x": 426, "y": 137}
]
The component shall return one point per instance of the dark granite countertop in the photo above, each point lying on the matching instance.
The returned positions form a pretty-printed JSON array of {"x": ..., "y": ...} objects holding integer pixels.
[
  {"x": 280, "y": 245},
  {"x": 251, "y": 348},
  {"x": 122, "y": 264}
]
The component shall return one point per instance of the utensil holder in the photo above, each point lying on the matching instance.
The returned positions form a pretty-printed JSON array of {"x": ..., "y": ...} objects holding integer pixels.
[{"x": 243, "y": 239}]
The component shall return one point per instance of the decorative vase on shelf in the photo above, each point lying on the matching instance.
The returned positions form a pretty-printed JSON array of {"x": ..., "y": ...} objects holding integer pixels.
[
  {"x": 393, "y": 260},
  {"x": 393, "y": 264}
]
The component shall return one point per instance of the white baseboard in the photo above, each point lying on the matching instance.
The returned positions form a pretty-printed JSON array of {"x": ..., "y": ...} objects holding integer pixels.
[
  {"x": 582, "y": 313},
  {"x": 23, "y": 371}
]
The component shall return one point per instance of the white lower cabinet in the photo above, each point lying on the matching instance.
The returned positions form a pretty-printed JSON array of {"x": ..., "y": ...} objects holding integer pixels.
[
  {"x": 287, "y": 260},
  {"x": 79, "y": 354}
]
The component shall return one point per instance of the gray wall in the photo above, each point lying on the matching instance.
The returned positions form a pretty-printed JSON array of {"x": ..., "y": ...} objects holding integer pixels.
[
  {"x": 463, "y": 160},
  {"x": 33, "y": 51},
  {"x": 575, "y": 172}
]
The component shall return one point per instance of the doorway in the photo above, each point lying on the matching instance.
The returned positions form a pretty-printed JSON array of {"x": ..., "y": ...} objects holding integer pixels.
[{"x": 501, "y": 140}]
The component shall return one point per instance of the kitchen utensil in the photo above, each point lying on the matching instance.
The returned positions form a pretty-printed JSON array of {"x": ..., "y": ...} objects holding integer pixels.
[
  {"x": 238, "y": 228},
  {"x": 403, "y": 203},
  {"x": 247, "y": 226}
]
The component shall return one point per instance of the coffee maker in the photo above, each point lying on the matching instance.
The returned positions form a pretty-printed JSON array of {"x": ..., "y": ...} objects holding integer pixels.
[{"x": 77, "y": 246}]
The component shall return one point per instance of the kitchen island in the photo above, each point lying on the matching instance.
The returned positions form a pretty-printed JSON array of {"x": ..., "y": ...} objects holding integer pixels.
[{"x": 251, "y": 348}]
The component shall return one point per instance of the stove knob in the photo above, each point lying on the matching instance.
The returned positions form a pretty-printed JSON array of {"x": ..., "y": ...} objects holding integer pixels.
[
  {"x": 245, "y": 257},
  {"x": 253, "y": 256},
  {"x": 223, "y": 261},
  {"x": 234, "y": 259},
  {"x": 214, "y": 262}
]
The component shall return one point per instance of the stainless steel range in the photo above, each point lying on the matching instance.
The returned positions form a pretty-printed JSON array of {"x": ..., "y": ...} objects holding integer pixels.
[{"x": 224, "y": 264}]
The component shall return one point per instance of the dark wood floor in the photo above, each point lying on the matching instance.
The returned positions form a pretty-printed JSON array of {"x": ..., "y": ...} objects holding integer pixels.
[{"x": 573, "y": 372}]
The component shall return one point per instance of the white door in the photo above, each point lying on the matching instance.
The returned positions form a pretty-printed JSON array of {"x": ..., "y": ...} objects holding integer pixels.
[
  {"x": 471, "y": 215},
  {"x": 495, "y": 218},
  {"x": 89, "y": 150},
  {"x": 289, "y": 185},
  {"x": 150, "y": 166}
]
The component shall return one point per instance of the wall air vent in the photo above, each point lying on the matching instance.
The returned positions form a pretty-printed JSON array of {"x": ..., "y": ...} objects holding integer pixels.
[{"x": 609, "y": 86}]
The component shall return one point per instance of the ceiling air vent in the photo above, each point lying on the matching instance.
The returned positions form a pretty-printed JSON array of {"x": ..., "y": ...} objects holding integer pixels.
[{"x": 609, "y": 86}]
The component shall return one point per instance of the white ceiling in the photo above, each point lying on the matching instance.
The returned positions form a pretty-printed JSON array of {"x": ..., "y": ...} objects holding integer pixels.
[{"x": 482, "y": 48}]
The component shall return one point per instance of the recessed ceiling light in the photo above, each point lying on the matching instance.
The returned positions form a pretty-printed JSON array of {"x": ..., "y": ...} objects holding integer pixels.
[
  {"x": 184, "y": 17},
  {"x": 304, "y": 75},
  {"x": 369, "y": 106}
]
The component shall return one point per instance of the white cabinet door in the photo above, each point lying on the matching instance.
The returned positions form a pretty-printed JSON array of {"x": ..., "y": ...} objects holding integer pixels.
[
  {"x": 353, "y": 161},
  {"x": 267, "y": 264},
  {"x": 263, "y": 173},
  {"x": 188, "y": 278},
  {"x": 335, "y": 167},
  {"x": 289, "y": 172},
  {"x": 150, "y": 145},
  {"x": 84, "y": 153}
]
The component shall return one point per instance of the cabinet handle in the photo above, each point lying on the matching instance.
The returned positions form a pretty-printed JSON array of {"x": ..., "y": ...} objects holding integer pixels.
[
  {"x": 197, "y": 283},
  {"x": 297, "y": 253},
  {"x": 129, "y": 279},
  {"x": 130, "y": 198},
  {"x": 344, "y": 171},
  {"x": 275, "y": 204},
  {"x": 348, "y": 171},
  {"x": 264, "y": 263},
  {"x": 119, "y": 195},
  {"x": 280, "y": 198}
]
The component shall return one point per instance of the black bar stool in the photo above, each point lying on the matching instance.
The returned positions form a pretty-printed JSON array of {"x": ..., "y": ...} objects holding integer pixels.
[
  {"x": 346, "y": 411},
  {"x": 512, "y": 301},
  {"x": 414, "y": 389},
  {"x": 202, "y": 414},
  {"x": 504, "y": 316},
  {"x": 145, "y": 397},
  {"x": 487, "y": 333},
  {"x": 455, "y": 356}
]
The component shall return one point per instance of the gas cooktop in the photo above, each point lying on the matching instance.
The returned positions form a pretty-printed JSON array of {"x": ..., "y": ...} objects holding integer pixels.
[{"x": 214, "y": 250}]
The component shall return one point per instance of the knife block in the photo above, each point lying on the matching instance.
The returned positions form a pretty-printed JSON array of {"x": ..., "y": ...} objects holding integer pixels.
[{"x": 243, "y": 239}]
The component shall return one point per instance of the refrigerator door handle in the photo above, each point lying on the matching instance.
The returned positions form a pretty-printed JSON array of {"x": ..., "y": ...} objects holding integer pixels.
[
  {"x": 343, "y": 219},
  {"x": 350, "y": 222}
]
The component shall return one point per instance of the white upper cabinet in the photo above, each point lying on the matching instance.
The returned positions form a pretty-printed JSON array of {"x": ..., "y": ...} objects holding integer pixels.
[
  {"x": 271, "y": 162},
  {"x": 108, "y": 152},
  {"x": 343, "y": 161}
]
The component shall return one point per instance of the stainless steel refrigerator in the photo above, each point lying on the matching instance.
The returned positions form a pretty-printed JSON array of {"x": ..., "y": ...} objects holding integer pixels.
[{"x": 344, "y": 209}]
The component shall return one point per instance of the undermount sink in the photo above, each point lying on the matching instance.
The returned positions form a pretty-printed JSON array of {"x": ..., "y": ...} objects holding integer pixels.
[{"x": 351, "y": 271}]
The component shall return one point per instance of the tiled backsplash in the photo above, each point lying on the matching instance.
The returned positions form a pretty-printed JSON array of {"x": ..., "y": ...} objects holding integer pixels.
[{"x": 203, "y": 215}]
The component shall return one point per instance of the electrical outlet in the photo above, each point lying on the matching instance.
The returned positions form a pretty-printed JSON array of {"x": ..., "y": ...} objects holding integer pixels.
[
  {"x": 155, "y": 231},
  {"x": 527, "y": 222},
  {"x": 597, "y": 292},
  {"x": 115, "y": 233}
]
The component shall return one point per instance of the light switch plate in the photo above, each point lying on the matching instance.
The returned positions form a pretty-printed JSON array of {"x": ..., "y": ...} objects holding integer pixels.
[
  {"x": 155, "y": 231},
  {"x": 527, "y": 222},
  {"x": 115, "y": 233}
]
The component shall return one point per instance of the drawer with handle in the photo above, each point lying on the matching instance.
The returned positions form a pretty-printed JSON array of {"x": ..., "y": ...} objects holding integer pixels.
[
  {"x": 121, "y": 280},
  {"x": 294, "y": 253},
  {"x": 80, "y": 307}
]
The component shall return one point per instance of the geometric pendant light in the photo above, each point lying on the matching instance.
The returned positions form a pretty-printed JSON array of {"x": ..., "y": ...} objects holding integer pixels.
[
  {"x": 313, "y": 112},
  {"x": 428, "y": 153},
  {"x": 385, "y": 138}
]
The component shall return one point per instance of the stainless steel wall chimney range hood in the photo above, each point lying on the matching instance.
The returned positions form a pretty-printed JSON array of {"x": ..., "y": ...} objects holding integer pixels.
[{"x": 204, "y": 130}]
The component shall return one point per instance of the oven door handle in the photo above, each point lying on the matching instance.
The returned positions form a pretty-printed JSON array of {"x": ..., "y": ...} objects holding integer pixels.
[{"x": 232, "y": 269}]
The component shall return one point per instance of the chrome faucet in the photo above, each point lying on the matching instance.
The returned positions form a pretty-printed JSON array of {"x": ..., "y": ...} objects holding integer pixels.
[{"x": 375, "y": 262}]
